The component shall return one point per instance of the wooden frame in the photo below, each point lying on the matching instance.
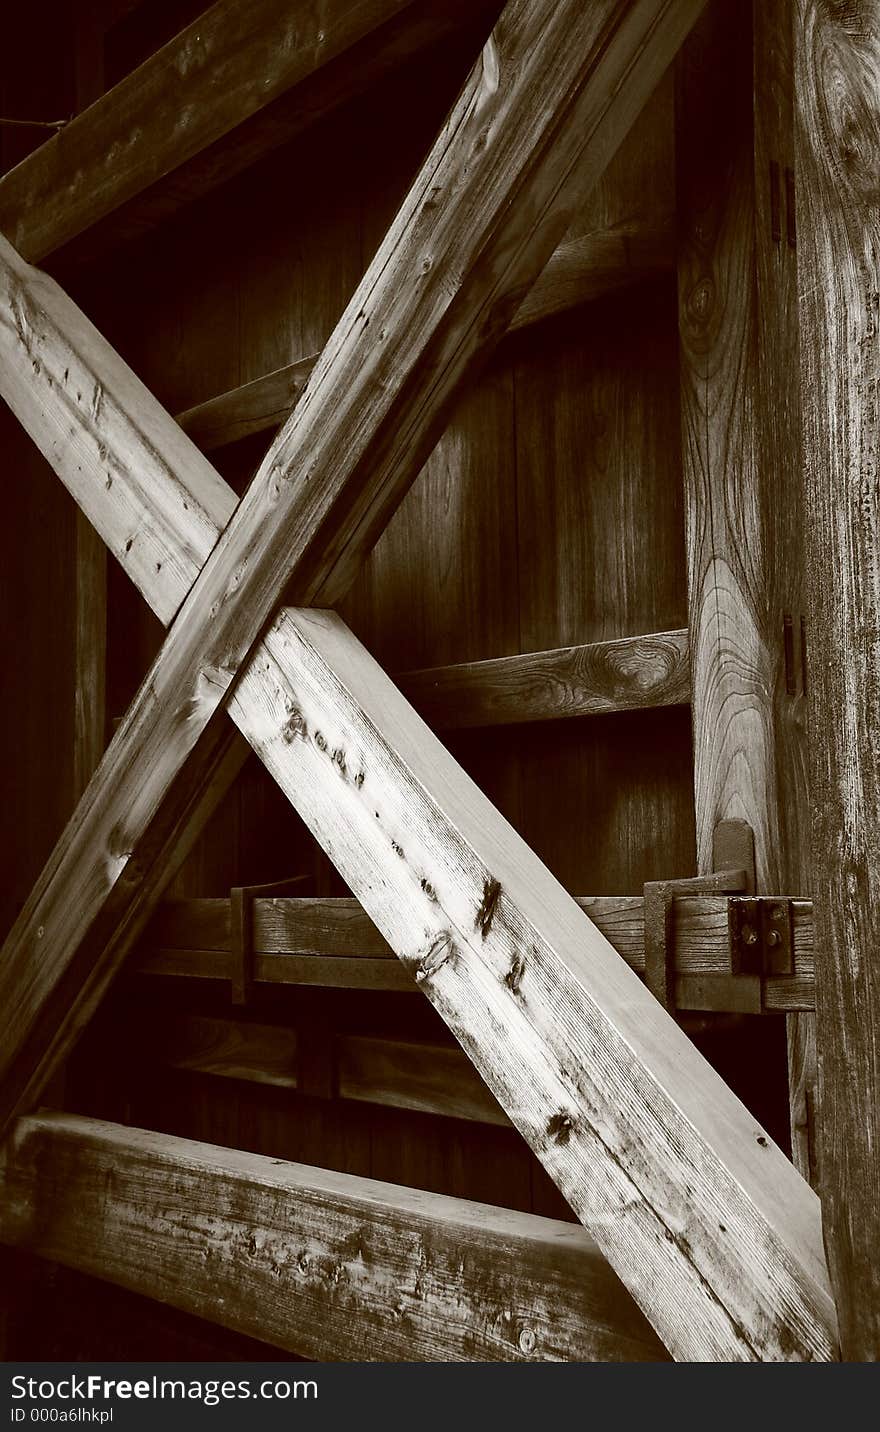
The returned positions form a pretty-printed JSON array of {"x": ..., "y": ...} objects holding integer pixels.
[{"x": 768, "y": 1293}]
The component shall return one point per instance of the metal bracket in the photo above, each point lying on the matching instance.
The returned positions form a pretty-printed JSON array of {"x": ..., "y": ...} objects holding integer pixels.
[
  {"x": 241, "y": 928},
  {"x": 761, "y": 935}
]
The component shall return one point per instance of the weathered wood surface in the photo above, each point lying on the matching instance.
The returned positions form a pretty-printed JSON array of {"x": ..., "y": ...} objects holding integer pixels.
[
  {"x": 709, "y": 1225},
  {"x": 778, "y": 439},
  {"x": 542, "y": 113},
  {"x": 329, "y": 1266},
  {"x": 625, "y": 675},
  {"x": 247, "y": 76},
  {"x": 837, "y": 86},
  {"x": 733, "y": 668},
  {"x": 310, "y": 940}
]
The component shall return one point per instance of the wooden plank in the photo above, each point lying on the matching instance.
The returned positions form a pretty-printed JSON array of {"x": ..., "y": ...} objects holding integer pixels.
[
  {"x": 627, "y": 675},
  {"x": 778, "y": 432},
  {"x": 247, "y": 78},
  {"x": 709, "y": 1225},
  {"x": 837, "y": 61},
  {"x": 333, "y": 941},
  {"x": 543, "y": 111},
  {"x": 431, "y": 1078},
  {"x": 259, "y": 406},
  {"x": 324, "y": 1264},
  {"x": 733, "y": 667}
]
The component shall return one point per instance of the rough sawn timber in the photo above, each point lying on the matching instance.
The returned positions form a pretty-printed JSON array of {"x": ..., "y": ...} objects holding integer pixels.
[
  {"x": 546, "y": 106},
  {"x": 714, "y": 1232},
  {"x": 837, "y": 88},
  {"x": 247, "y": 76},
  {"x": 329, "y": 1266}
]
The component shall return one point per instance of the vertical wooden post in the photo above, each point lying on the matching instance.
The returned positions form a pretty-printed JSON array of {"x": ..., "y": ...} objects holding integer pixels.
[
  {"x": 837, "y": 70},
  {"x": 778, "y": 443},
  {"x": 732, "y": 662},
  {"x": 741, "y": 454},
  {"x": 91, "y": 553}
]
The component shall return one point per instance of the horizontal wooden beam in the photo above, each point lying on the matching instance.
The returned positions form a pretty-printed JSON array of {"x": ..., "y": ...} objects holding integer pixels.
[
  {"x": 333, "y": 942},
  {"x": 323, "y": 1264},
  {"x": 402, "y": 1074},
  {"x": 630, "y": 674},
  {"x": 247, "y": 76}
]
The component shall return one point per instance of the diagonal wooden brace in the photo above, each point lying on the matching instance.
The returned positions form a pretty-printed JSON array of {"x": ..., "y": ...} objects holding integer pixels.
[{"x": 542, "y": 112}]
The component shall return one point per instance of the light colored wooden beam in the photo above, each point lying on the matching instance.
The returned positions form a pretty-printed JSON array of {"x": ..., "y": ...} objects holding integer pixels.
[
  {"x": 323, "y": 1264},
  {"x": 837, "y": 64},
  {"x": 334, "y": 942},
  {"x": 541, "y": 114},
  {"x": 708, "y": 1224},
  {"x": 247, "y": 76},
  {"x": 631, "y": 674}
]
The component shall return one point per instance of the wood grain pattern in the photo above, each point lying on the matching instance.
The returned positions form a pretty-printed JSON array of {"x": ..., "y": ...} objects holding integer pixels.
[
  {"x": 325, "y": 1264},
  {"x": 733, "y": 668},
  {"x": 225, "y": 68},
  {"x": 332, "y": 940},
  {"x": 624, "y": 675},
  {"x": 543, "y": 111},
  {"x": 837, "y": 64},
  {"x": 647, "y": 1143},
  {"x": 778, "y": 440}
]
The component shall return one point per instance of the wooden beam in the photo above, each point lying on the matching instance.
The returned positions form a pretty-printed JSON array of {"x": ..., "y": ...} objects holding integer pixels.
[
  {"x": 323, "y": 1264},
  {"x": 401, "y": 1074},
  {"x": 708, "y": 1224},
  {"x": 838, "y": 118},
  {"x": 733, "y": 665},
  {"x": 542, "y": 112},
  {"x": 631, "y": 674},
  {"x": 248, "y": 76},
  {"x": 334, "y": 942}
]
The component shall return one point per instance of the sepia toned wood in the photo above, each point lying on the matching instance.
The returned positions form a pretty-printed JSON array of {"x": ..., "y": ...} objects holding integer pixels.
[
  {"x": 333, "y": 941},
  {"x": 431, "y": 1078},
  {"x": 543, "y": 111},
  {"x": 247, "y": 78},
  {"x": 255, "y": 407},
  {"x": 624, "y": 675},
  {"x": 778, "y": 433},
  {"x": 647, "y": 1143},
  {"x": 733, "y": 669},
  {"x": 837, "y": 62},
  {"x": 326, "y": 1265}
]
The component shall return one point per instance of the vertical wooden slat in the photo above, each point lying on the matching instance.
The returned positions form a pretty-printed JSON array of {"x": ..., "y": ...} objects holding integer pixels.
[
  {"x": 782, "y": 501},
  {"x": 837, "y": 73},
  {"x": 742, "y": 460},
  {"x": 732, "y": 665}
]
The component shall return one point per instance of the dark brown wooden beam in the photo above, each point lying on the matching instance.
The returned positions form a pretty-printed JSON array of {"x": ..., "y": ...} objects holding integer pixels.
[
  {"x": 631, "y": 674},
  {"x": 837, "y": 63},
  {"x": 247, "y": 76},
  {"x": 332, "y": 942},
  {"x": 326, "y": 1265},
  {"x": 402, "y": 1074}
]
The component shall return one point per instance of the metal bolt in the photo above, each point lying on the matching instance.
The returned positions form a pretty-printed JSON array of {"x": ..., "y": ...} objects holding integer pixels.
[{"x": 749, "y": 935}]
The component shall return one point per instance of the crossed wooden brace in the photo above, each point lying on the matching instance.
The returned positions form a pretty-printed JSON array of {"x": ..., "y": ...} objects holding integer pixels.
[{"x": 708, "y": 1224}]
